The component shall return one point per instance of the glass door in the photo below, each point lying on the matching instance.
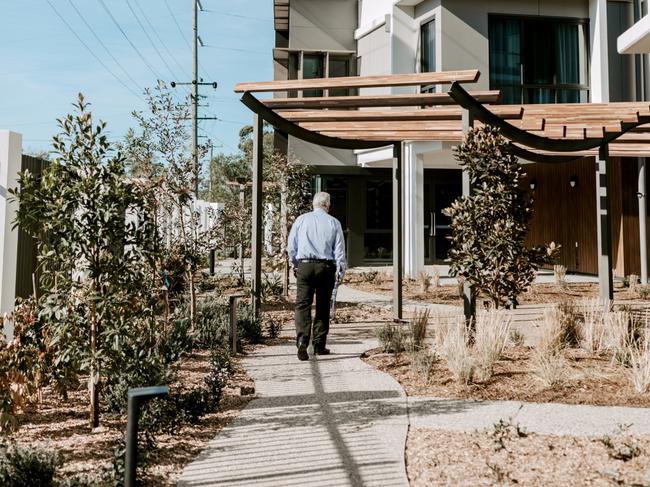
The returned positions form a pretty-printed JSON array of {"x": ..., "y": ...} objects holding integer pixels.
[{"x": 441, "y": 188}]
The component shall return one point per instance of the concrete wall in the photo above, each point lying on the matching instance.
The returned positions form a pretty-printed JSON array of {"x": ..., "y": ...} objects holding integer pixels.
[
  {"x": 10, "y": 163},
  {"x": 322, "y": 24}
]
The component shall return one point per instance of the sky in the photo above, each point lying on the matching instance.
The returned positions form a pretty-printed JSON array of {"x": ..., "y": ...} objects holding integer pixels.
[{"x": 43, "y": 65}]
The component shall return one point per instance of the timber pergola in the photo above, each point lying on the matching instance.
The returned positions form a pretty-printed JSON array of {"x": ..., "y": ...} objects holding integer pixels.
[{"x": 547, "y": 133}]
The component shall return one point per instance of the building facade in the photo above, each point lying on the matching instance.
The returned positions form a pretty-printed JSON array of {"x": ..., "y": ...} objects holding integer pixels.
[{"x": 547, "y": 51}]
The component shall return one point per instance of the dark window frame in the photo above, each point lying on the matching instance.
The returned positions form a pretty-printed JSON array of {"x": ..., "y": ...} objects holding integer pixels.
[{"x": 556, "y": 88}]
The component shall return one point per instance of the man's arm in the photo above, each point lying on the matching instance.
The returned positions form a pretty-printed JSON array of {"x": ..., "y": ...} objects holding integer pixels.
[
  {"x": 292, "y": 244},
  {"x": 339, "y": 251}
]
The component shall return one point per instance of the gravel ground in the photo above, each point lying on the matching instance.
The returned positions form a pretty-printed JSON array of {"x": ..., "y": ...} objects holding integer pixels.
[{"x": 501, "y": 457}]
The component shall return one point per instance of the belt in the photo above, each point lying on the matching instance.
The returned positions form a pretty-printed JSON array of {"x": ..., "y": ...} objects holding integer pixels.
[{"x": 317, "y": 261}]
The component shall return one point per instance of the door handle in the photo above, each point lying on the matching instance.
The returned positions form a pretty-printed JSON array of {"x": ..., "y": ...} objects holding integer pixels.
[{"x": 432, "y": 227}]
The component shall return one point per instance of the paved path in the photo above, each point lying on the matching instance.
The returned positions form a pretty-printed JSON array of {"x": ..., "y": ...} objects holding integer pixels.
[
  {"x": 331, "y": 421},
  {"x": 335, "y": 421}
]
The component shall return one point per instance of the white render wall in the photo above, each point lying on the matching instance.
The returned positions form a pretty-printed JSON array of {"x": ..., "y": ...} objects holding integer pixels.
[{"x": 10, "y": 164}]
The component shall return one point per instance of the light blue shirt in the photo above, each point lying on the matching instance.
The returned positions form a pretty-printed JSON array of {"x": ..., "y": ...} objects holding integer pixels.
[{"x": 317, "y": 235}]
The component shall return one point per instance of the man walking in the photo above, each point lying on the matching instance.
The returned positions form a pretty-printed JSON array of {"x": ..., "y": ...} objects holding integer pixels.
[{"x": 316, "y": 251}]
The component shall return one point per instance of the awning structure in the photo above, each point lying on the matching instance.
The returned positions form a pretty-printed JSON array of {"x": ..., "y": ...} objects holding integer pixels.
[{"x": 548, "y": 133}]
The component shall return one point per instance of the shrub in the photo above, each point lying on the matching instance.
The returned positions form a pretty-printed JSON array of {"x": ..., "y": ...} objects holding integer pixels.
[
  {"x": 248, "y": 327},
  {"x": 273, "y": 327},
  {"x": 418, "y": 329},
  {"x": 422, "y": 362},
  {"x": 489, "y": 226},
  {"x": 516, "y": 337},
  {"x": 491, "y": 337},
  {"x": 644, "y": 291},
  {"x": 391, "y": 338},
  {"x": 212, "y": 327},
  {"x": 271, "y": 286},
  {"x": 26, "y": 466}
]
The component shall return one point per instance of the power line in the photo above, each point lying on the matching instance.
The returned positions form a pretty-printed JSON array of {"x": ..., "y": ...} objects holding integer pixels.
[
  {"x": 92, "y": 52},
  {"x": 180, "y": 31},
  {"x": 153, "y": 44},
  {"x": 92, "y": 31},
  {"x": 235, "y": 49},
  {"x": 160, "y": 39},
  {"x": 117, "y": 24}
]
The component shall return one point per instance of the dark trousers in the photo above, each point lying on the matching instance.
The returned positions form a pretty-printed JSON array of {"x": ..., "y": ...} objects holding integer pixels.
[{"x": 314, "y": 278}]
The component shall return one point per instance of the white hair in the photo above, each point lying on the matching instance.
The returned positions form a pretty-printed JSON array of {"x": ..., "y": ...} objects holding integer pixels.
[{"x": 322, "y": 200}]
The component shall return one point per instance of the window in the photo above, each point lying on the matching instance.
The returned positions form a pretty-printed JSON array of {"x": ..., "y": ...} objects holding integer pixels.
[
  {"x": 428, "y": 51},
  {"x": 317, "y": 64},
  {"x": 312, "y": 67},
  {"x": 536, "y": 60}
]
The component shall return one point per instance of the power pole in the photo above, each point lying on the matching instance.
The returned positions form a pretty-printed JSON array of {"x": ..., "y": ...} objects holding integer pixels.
[
  {"x": 195, "y": 94},
  {"x": 196, "y": 81}
]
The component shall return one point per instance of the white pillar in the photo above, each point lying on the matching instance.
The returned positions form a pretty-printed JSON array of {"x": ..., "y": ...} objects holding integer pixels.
[
  {"x": 10, "y": 164},
  {"x": 268, "y": 228},
  {"x": 599, "y": 74},
  {"x": 413, "y": 212}
]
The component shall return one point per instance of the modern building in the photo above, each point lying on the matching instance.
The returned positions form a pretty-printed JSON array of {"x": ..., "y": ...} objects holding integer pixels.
[{"x": 541, "y": 51}]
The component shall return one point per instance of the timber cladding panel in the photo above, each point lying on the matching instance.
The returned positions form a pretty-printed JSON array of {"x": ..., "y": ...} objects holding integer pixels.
[
  {"x": 27, "y": 263},
  {"x": 567, "y": 215}
]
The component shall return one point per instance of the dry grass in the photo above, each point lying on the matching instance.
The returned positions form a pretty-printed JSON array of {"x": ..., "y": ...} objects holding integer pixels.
[
  {"x": 549, "y": 366},
  {"x": 639, "y": 356},
  {"x": 457, "y": 352},
  {"x": 492, "y": 331},
  {"x": 593, "y": 329},
  {"x": 418, "y": 329},
  {"x": 618, "y": 335},
  {"x": 633, "y": 281},
  {"x": 559, "y": 272},
  {"x": 424, "y": 279},
  {"x": 435, "y": 278}
]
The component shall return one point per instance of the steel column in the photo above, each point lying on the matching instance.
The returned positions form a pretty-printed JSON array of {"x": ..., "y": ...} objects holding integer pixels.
[
  {"x": 604, "y": 225},
  {"x": 469, "y": 300},
  {"x": 398, "y": 260},
  {"x": 256, "y": 234},
  {"x": 643, "y": 236}
]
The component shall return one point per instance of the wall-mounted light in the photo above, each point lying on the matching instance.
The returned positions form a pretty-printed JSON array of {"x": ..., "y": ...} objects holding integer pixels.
[
  {"x": 533, "y": 184},
  {"x": 573, "y": 182}
]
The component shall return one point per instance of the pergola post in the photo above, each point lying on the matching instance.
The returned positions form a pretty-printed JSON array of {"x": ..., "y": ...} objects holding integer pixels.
[
  {"x": 643, "y": 236},
  {"x": 469, "y": 300},
  {"x": 256, "y": 236},
  {"x": 397, "y": 231},
  {"x": 604, "y": 225}
]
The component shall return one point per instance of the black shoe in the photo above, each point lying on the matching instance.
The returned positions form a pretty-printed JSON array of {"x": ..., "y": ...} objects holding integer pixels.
[
  {"x": 302, "y": 351},
  {"x": 321, "y": 351}
]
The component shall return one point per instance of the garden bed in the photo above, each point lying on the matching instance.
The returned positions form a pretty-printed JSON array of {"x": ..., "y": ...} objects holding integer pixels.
[
  {"x": 538, "y": 294},
  {"x": 494, "y": 457},
  {"x": 588, "y": 380},
  {"x": 62, "y": 426}
]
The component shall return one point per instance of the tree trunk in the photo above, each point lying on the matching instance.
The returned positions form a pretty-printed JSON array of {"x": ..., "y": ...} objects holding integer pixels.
[
  {"x": 93, "y": 381},
  {"x": 190, "y": 280}
]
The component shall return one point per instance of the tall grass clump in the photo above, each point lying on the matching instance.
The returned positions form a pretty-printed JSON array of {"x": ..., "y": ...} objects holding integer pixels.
[
  {"x": 593, "y": 328},
  {"x": 391, "y": 338},
  {"x": 456, "y": 350},
  {"x": 619, "y": 335},
  {"x": 435, "y": 278},
  {"x": 491, "y": 337},
  {"x": 418, "y": 329},
  {"x": 639, "y": 358},
  {"x": 424, "y": 279}
]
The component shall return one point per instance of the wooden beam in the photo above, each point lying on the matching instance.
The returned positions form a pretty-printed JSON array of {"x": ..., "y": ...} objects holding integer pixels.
[
  {"x": 423, "y": 99},
  {"x": 428, "y": 135},
  {"x": 417, "y": 79},
  {"x": 439, "y": 113}
]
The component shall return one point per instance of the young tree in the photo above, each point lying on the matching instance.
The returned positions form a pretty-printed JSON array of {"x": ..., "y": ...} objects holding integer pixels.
[
  {"x": 490, "y": 225},
  {"x": 94, "y": 261}
]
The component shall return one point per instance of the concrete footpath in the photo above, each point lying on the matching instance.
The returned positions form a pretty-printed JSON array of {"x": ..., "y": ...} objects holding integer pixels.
[
  {"x": 335, "y": 421},
  {"x": 330, "y": 421}
]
